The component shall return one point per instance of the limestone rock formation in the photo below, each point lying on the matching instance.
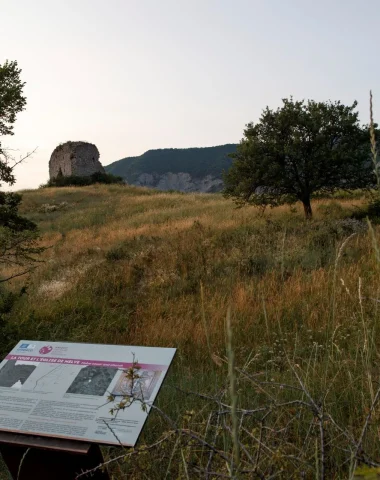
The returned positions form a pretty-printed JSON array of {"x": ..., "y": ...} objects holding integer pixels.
[
  {"x": 75, "y": 158},
  {"x": 181, "y": 181}
]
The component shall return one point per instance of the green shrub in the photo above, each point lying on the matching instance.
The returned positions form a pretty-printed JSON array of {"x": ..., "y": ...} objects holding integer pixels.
[
  {"x": 76, "y": 181},
  {"x": 373, "y": 210},
  {"x": 129, "y": 248},
  {"x": 8, "y": 331},
  {"x": 117, "y": 253},
  {"x": 256, "y": 265}
]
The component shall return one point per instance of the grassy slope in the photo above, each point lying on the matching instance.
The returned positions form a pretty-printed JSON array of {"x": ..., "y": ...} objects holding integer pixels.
[{"x": 125, "y": 266}]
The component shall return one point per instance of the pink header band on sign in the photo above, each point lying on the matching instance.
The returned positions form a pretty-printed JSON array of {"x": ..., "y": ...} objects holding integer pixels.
[{"x": 87, "y": 363}]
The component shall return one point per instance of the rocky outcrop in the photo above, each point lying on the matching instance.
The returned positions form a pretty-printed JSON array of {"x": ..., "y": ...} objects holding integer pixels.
[
  {"x": 182, "y": 182},
  {"x": 196, "y": 169},
  {"x": 75, "y": 158}
]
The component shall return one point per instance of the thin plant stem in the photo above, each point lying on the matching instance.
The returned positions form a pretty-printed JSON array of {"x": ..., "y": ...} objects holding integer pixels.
[{"x": 233, "y": 397}]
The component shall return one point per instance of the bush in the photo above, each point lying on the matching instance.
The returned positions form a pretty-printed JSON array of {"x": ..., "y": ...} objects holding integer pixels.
[
  {"x": 8, "y": 332},
  {"x": 76, "y": 181},
  {"x": 373, "y": 210}
]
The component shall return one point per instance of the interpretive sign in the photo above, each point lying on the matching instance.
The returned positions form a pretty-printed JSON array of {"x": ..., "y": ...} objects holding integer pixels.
[{"x": 62, "y": 390}]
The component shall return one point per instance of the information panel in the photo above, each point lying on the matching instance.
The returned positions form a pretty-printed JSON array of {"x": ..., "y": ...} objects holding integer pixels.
[{"x": 61, "y": 390}]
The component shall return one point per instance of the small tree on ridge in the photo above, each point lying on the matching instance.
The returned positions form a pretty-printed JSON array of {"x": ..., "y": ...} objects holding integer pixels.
[{"x": 297, "y": 150}]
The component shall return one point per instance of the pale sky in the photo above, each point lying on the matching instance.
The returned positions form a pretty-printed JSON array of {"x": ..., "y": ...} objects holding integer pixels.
[{"x": 134, "y": 75}]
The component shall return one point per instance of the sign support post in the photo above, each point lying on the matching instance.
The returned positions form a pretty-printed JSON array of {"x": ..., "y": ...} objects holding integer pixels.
[{"x": 28, "y": 456}]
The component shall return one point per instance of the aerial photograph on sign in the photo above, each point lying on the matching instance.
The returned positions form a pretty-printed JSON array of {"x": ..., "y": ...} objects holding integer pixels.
[
  {"x": 92, "y": 381},
  {"x": 142, "y": 387},
  {"x": 15, "y": 372}
]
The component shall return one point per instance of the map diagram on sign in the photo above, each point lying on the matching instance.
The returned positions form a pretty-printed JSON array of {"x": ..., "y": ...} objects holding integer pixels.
[{"x": 48, "y": 379}]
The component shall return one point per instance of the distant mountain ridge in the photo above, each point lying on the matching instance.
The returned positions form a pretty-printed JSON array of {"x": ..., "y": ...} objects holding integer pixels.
[{"x": 183, "y": 169}]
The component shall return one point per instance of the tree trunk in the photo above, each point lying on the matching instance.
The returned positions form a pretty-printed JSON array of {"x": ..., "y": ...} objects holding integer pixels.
[{"x": 307, "y": 208}]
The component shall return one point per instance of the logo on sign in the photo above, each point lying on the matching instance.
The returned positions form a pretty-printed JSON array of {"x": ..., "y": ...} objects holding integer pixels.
[
  {"x": 26, "y": 347},
  {"x": 46, "y": 349}
]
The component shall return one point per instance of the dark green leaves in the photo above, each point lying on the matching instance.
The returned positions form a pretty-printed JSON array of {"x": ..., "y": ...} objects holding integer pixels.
[
  {"x": 11, "y": 99},
  {"x": 301, "y": 148},
  {"x": 18, "y": 235}
]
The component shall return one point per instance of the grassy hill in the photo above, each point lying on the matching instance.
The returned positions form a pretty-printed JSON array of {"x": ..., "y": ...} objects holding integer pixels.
[
  {"x": 199, "y": 162},
  {"x": 134, "y": 266}
]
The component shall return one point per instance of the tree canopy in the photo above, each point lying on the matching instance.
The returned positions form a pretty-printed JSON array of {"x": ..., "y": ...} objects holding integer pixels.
[
  {"x": 12, "y": 102},
  {"x": 18, "y": 235},
  {"x": 301, "y": 148}
]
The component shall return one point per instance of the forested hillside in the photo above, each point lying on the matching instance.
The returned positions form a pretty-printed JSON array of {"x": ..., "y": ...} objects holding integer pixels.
[{"x": 198, "y": 163}]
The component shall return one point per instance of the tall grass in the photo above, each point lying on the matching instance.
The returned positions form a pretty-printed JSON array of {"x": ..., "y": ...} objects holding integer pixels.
[{"x": 291, "y": 393}]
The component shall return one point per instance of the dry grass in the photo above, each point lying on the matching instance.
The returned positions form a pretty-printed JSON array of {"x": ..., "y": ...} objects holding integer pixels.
[
  {"x": 178, "y": 240},
  {"x": 142, "y": 256}
]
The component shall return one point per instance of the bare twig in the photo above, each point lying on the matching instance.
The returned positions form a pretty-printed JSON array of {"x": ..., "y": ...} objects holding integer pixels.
[
  {"x": 2, "y": 280},
  {"x": 368, "y": 418}
]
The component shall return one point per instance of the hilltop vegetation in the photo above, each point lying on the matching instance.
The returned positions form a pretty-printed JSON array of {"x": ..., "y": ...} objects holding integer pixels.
[
  {"x": 135, "y": 266},
  {"x": 198, "y": 162},
  {"x": 79, "y": 181}
]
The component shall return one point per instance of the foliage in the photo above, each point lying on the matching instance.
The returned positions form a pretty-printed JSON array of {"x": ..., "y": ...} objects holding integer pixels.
[
  {"x": 12, "y": 102},
  {"x": 198, "y": 162},
  {"x": 18, "y": 251},
  {"x": 9, "y": 215},
  {"x": 367, "y": 473},
  {"x": 373, "y": 210},
  {"x": 77, "y": 181},
  {"x": 8, "y": 331},
  {"x": 297, "y": 150},
  {"x": 18, "y": 235}
]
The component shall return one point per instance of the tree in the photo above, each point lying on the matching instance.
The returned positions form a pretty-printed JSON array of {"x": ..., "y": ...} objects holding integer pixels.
[
  {"x": 297, "y": 150},
  {"x": 18, "y": 235}
]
